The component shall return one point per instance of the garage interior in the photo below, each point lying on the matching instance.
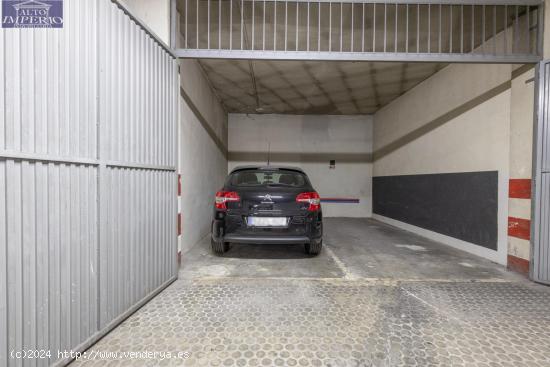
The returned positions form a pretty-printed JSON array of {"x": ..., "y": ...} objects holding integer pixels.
[{"x": 414, "y": 122}]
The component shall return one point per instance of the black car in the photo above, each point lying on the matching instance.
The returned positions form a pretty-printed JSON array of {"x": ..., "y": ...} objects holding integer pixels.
[{"x": 267, "y": 205}]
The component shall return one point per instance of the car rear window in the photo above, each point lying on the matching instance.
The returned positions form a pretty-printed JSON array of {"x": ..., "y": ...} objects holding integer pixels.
[{"x": 264, "y": 178}]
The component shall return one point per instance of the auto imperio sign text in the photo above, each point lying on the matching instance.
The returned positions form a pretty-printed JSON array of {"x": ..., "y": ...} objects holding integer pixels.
[{"x": 32, "y": 14}]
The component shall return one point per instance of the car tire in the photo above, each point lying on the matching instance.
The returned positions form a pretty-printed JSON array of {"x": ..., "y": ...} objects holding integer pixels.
[
  {"x": 314, "y": 248},
  {"x": 219, "y": 247}
]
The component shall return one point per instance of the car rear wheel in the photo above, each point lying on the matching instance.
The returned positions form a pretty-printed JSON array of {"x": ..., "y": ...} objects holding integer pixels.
[
  {"x": 219, "y": 247},
  {"x": 313, "y": 248}
]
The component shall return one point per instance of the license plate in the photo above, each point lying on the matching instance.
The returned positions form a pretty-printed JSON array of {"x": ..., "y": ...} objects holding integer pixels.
[{"x": 267, "y": 221}]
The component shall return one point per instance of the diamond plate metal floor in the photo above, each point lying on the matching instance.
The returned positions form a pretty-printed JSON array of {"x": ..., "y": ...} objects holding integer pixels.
[{"x": 348, "y": 319}]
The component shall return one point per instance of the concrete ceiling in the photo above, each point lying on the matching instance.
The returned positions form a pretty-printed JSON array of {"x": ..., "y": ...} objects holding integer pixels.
[
  {"x": 316, "y": 87},
  {"x": 312, "y": 87}
]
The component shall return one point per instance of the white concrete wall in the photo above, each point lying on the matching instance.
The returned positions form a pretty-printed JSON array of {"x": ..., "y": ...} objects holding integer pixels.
[
  {"x": 203, "y": 167},
  {"x": 546, "y": 37},
  {"x": 197, "y": 87},
  {"x": 408, "y": 141},
  {"x": 310, "y": 141},
  {"x": 203, "y": 153},
  {"x": 155, "y": 14}
]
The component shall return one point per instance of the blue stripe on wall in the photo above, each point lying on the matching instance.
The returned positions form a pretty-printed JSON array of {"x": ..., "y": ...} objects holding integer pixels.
[{"x": 340, "y": 201}]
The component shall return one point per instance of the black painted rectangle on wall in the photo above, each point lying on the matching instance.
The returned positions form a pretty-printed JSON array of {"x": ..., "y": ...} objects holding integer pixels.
[{"x": 460, "y": 205}]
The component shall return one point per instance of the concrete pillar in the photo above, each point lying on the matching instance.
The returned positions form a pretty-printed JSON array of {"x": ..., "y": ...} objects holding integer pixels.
[
  {"x": 522, "y": 106},
  {"x": 521, "y": 146}
]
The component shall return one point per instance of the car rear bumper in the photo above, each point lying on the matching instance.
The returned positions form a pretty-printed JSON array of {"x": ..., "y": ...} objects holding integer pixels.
[
  {"x": 218, "y": 234},
  {"x": 266, "y": 239}
]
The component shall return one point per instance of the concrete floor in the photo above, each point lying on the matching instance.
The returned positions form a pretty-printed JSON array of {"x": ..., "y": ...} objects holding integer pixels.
[{"x": 375, "y": 296}]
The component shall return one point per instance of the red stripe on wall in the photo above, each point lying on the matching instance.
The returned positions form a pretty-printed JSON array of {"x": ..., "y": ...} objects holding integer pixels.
[
  {"x": 520, "y": 228},
  {"x": 518, "y": 265},
  {"x": 179, "y": 224},
  {"x": 179, "y": 185},
  {"x": 520, "y": 188}
]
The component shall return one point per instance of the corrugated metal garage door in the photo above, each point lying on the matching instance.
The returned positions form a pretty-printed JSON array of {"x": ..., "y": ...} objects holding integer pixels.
[
  {"x": 540, "y": 270},
  {"x": 87, "y": 177}
]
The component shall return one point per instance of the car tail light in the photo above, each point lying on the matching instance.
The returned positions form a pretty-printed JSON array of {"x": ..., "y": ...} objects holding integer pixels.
[
  {"x": 223, "y": 197},
  {"x": 312, "y": 198}
]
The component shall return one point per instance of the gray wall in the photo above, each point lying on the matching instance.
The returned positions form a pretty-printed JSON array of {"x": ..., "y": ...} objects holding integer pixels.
[{"x": 87, "y": 177}]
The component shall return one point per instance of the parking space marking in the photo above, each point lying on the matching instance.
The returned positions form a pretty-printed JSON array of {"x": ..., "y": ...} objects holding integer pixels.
[{"x": 347, "y": 274}]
